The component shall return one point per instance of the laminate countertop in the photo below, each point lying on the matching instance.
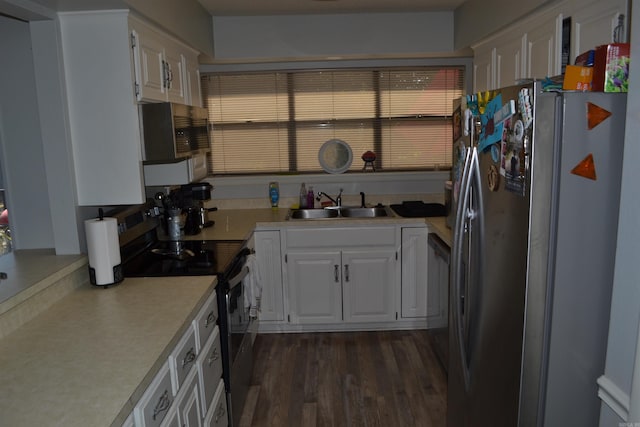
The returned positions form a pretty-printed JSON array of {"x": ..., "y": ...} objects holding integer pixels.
[
  {"x": 238, "y": 224},
  {"x": 87, "y": 359}
]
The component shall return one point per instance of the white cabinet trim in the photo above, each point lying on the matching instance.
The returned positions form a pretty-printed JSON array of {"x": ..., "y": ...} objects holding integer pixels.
[{"x": 614, "y": 397}]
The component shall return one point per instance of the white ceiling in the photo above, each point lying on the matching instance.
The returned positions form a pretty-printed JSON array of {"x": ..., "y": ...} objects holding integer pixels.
[{"x": 287, "y": 7}]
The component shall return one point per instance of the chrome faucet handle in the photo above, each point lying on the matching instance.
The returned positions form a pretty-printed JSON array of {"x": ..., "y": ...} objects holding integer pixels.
[{"x": 339, "y": 198}]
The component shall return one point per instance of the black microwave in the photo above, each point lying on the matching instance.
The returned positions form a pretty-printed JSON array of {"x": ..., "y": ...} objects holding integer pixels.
[{"x": 174, "y": 131}]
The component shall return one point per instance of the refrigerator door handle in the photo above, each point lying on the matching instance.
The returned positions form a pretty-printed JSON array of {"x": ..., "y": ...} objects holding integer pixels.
[{"x": 458, "y": 283}]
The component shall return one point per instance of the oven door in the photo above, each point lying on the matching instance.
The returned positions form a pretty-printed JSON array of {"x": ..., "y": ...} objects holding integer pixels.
[
  {"x": 237, "y": 314},
  {"x": 239, "y": 360}
]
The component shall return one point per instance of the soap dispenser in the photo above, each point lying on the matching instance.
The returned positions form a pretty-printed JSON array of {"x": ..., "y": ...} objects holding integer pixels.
[
  {"x": 310, "y": 198},
  {"x": 303, "y": 196}
]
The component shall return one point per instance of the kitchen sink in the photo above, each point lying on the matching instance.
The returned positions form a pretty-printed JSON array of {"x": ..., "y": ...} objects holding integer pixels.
[
  {"x": 375, "y": 212},
  {"x": 313, "y": 213},
  {"x": 343, "y": 212}
]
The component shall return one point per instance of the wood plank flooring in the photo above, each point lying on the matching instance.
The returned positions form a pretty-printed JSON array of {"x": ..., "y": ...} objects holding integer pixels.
[{"x": 371, "y": 379}]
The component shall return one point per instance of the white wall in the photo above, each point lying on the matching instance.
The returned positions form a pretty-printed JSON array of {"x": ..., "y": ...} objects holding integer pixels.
[
  {"x": 22, "y": 153},
  {"x": 625, "y": 304},
  {"x": 280, "y": 38}
]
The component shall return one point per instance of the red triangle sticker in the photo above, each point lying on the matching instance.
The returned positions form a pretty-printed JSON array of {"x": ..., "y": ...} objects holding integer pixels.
[
  {"x": 596, "y": 115},
  {"x": 586, "y": 168}
]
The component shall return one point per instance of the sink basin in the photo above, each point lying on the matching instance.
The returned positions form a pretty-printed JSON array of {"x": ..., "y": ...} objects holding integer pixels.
[
  {"x": 313, "y": 213},
  {"x": 374, "y": 212},
  {"x": 334, "y": 212}
]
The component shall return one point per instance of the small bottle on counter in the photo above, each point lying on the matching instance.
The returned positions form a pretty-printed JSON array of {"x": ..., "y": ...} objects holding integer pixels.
[
  {"x": 303, "y": 196},
  {"x": 310, "y": 198},
  {"x": 274, "y": 194}
]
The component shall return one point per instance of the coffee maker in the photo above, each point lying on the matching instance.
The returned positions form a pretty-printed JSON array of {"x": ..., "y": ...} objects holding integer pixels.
[{"x": 193, "y": 197}]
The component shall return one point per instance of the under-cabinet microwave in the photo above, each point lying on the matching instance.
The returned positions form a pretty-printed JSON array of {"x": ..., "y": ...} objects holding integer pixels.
[
  {"x": 173, "y": 131},
  {"x": 180, "y": 172}
]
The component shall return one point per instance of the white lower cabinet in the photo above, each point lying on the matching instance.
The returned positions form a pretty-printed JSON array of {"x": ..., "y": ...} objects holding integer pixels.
[
  {"x": 415, "y": 268},
  {"x": 438, "y": 284},
  {"x": 369, "y": 285},
  {"x": 156, "y": 400},
  {"x": 315, "y": 287},
  {"x": 267, "y": 247},
  {"x": 209, "y": 368},
  {"x": 189, "y": 383},
  {"x": 342, "y": 275},
  {"x": 188, "y": 402},
  {"x": 217, "y": 413}
]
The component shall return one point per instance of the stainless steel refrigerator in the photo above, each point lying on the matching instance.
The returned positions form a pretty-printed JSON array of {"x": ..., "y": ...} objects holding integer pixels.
[{"x": 536, "y": 191}]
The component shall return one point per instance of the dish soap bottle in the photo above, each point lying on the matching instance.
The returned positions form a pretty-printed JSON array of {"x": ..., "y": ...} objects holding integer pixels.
[
  {"x": 310, "y": 199},
  {"x": 303, "y": 196}
]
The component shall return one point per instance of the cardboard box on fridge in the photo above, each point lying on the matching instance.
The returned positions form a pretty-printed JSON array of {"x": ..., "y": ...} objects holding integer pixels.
[
  {"x": 577, "y": 78},
  {"x": 611, "y": 68}
]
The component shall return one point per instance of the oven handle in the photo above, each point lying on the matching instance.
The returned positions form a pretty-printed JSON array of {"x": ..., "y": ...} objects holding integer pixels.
[{"x": 237, "y": 279}]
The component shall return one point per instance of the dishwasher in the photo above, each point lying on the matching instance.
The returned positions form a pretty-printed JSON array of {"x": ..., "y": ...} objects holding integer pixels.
[{"x": 439, "y": 255}]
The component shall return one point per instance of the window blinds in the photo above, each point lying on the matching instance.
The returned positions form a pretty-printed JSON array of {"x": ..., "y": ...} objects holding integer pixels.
[{"x": 277, "y": 122}]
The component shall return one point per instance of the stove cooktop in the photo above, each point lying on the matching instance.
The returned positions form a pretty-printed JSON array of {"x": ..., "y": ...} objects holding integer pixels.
[{"x": 183, "y": 258}]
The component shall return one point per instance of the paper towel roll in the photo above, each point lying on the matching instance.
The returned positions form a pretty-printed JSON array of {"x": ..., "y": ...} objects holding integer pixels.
[{"x": 104, "y": 249}]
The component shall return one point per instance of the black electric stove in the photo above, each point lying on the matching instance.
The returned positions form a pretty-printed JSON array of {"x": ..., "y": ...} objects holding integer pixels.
[
  {"x": 182, "y": 258},
  {"x": 144, "y": 255}
]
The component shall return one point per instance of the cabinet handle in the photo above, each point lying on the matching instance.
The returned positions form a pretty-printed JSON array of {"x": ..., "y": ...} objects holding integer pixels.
[
  {"x": 211, "y": 318},
  {"x": 163, "y": 404},
  {"x": 346, "y": 272},
  {"x": 188, "y": 358},
  {"x": 214, "y": 356},
  {"x": 336, "y": 273},
  {"x": 220, "y": 413},
  {"x": 164, "y": 74}
]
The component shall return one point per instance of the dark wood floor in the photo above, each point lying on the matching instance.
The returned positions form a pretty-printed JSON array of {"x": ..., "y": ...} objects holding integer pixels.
[{"x": 390, "y": 378}]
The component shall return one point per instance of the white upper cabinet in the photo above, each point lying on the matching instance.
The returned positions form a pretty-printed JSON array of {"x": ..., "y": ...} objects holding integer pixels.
[
  {"x": 509, "y": 61},
  {"x": 483, "y": 68},
  {"x": 543, "y": 58},
  {"x": 598, "y": 24},
  {"x": 103, "y": 115},
  {"x": 532, "y": 46},
  {"x": 164, "y": 69},
  {"x": 105, "y": 78}
]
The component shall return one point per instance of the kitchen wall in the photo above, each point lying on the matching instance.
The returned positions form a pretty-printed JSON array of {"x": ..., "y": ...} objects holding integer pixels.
[
  {"x": 337, "y": 36},
  {"x": 21, "y": 140}
]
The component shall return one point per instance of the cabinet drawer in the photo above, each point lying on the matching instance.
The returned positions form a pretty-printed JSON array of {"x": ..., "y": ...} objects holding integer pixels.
[
  {"x": 217, "y": 414},
  {"x": 210, "y": 368},
  {"x": 188, "y": 402},
  {"x": 321, "y": 237},
  {"x": 156, "y": 400},
  {"x": 205, "y": 321},
  {"x": 183, "y": 358}
]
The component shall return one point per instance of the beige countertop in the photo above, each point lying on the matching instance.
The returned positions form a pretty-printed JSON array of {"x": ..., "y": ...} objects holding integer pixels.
[
  {"x": 31, "y": 271},
  {"x": 86, "y": 360},
  {"x": 238, "y": 224}
]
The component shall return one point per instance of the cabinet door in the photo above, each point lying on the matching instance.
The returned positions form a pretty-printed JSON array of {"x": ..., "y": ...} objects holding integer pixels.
[
  {"x": 509, "y": 60},
  {"x": 543, "y": 54},
  {"x": 483, "y": 67},
  {"x": 192, "y": 74},
  {"x": 438, "y": 288},
  {"x": 369, "y": 285},
  {"x": 150, "y": 66},
  {"x": 188, "y": 403},
  {"x": 315, "y": 287},
  {"x": 415, "y": 266},
  {"x": 596, "y": 24},
  {"x": 267, "y": 245},
  {"x": 175, "y": 73}
]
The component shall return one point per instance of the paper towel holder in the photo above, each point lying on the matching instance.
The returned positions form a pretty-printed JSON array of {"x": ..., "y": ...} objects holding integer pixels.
[{"x": 118, "y": 275}]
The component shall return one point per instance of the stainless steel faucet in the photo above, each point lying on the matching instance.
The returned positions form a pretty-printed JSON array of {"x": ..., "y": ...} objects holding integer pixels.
[{"x": 337, "y": 201}]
